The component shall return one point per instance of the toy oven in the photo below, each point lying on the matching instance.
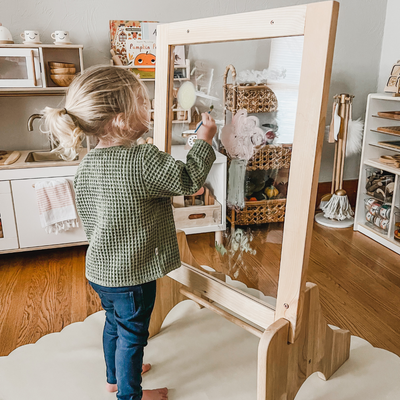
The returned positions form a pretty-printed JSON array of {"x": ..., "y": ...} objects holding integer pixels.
[{"x": 19, "y": 68}]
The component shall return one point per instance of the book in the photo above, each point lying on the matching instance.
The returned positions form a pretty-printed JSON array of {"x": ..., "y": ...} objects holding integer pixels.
[
  {"x": 135, "y": 42},
  {"x": 123, "y": 30},
  {"x": 142, "y": 53}
]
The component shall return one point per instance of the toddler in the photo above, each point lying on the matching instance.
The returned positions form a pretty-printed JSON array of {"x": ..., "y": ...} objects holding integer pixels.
[{"x": 123, "y": 196}]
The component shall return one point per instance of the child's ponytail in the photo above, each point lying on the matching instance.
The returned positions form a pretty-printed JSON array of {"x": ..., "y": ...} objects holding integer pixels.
[
  {"x": 107, "y": 102},
  {"x": 66, "y": 137}
]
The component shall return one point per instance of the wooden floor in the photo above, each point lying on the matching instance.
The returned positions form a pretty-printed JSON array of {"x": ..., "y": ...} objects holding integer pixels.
[{"x": 359, "y": 281}]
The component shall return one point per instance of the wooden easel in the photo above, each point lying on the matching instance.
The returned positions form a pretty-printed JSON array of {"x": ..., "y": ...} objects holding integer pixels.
[{"x": 295, "y": 340}]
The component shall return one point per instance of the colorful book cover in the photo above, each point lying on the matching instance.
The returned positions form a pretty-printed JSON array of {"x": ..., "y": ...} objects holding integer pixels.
[
  {"x": 120, "y": 32},
  {"x": 142, "y": 53}
]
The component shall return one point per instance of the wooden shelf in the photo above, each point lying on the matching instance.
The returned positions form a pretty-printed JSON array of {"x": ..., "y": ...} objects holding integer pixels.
[
  {"x": 44, "y": 45},
  {"x": 377, "y": 231},
  {"x": 397, "y": 150},
  {"x": 49, "y": 91},
  {"x": 377, "y": 164},
  {"x": 385, "y": 133}
]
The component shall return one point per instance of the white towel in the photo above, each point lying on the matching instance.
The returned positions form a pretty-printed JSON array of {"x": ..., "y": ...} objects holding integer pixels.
[{"x": 56, "y": 205}]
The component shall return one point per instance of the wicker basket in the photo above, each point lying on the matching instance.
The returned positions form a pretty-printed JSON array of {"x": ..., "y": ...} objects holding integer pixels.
[
  {"x": 270, "y": 156},
  {"x": 253, "y": 98},
  {"x": 259, "y": 212},
  {"x": 263, "y": 211}
]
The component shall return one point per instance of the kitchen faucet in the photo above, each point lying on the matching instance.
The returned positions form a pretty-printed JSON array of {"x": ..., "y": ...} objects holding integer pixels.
[
  {"x": 31, "y": 119},
  {"x": 30, "y": 126}
]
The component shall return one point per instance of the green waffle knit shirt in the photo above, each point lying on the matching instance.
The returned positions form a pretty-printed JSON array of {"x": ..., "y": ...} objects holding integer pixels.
[{"x": 123, "y": 197}]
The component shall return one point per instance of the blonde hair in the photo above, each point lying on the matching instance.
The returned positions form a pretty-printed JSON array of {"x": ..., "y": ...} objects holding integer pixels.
[{"x": 103, "y": 101}]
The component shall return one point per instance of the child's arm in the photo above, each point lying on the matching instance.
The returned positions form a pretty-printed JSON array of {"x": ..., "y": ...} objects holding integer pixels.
[{"x": 165, "y": 177}]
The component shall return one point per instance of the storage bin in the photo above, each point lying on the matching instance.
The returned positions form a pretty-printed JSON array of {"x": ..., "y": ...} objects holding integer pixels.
[{"x": 196, "y": 216}]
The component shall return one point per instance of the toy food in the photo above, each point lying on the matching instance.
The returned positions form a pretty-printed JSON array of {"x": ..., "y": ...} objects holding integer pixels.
[
  {"x": 271, "y": 192},
  {"x": 380, "y": 185}
]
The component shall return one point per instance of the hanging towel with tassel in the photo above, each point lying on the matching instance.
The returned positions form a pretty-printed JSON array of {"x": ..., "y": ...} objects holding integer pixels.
[{"x": 56, "y": 205}]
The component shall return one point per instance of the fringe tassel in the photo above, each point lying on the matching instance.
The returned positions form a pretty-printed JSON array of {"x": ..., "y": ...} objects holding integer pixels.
[
  {"x": 338, "y": 207},
  {"x": 62, "y": 226}
]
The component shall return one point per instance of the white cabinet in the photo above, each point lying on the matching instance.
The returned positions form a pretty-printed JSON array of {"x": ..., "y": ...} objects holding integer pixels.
[
  {"x": 30, "y": 231},
  {"x": 375, "y": 144},
  {"x": 8, "y": 236}
]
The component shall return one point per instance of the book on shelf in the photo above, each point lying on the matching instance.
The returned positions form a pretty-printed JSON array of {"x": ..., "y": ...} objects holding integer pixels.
[{"x": 134, "y": 42}]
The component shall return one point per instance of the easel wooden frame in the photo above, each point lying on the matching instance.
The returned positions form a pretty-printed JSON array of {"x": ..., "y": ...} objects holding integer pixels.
[{"x": 295, "y": 340}]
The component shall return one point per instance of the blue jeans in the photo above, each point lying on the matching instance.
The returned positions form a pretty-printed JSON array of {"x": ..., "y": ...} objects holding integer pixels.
[{"x": 126, "y": 330}]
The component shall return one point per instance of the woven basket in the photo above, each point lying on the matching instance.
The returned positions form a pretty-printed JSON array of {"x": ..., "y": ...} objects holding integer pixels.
[
  {"x": 270, "y": 156},
  {"x": 259, "y": 212},
  {"x": 253, "y": 98}
]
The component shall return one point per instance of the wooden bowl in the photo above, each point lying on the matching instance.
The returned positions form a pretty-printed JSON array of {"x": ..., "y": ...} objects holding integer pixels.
[
  {"x": 62, "y": 71},
  {"x": 62, "y": 80},
  {"x": 54, "y": 64}
]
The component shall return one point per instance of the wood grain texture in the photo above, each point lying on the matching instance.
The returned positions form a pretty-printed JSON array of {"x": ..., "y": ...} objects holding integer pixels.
[
  {"x": 358, "y": 279},
  {"x": 278, "y": 22},
  {"x": 42, "y": 292},
  {"x": 283, "y": 367},
  {"x": 319, "y": 41}
]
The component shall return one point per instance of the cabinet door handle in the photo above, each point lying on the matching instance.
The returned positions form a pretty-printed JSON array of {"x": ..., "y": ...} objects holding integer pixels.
[{"x": 33, "y": 68}]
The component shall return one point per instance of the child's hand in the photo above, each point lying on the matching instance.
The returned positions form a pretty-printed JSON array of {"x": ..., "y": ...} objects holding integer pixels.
[{"x": 207, "y": 131}]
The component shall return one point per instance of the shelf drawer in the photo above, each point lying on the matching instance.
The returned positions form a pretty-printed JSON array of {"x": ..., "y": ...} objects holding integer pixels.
[
  {"x": 197, "y": 216},
  {"x": 30, "y": 231},
  {"x": 8, "y": 232}
]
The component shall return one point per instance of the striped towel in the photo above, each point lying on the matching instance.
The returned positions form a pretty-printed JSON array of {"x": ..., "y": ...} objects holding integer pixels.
[{"x": 57, "y": 210}]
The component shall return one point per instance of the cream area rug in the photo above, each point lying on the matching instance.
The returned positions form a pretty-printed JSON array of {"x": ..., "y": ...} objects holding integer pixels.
[{"x": 197, "y": 355}]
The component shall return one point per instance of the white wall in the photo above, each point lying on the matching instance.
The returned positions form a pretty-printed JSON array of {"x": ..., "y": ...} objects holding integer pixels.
[
  {"x": 390, "y": 47},
  {"x": 355, "y": 66}
]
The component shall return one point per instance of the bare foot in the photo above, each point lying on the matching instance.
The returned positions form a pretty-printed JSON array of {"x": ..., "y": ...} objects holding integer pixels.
[
  {"x": 146, "y": 368},
  {"x": 112, "y": 387},
  {"x": 155, "y": 394}
]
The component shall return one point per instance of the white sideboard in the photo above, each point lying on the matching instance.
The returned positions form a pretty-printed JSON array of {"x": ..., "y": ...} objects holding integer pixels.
[
  {"x": 19, "y": 212},
  {"x": 373, "y": 149}
]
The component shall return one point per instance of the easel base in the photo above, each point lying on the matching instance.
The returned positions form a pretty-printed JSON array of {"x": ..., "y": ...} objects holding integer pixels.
[{"x": 331, "y": 223}]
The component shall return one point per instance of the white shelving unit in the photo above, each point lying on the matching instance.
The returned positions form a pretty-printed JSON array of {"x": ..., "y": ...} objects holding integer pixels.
[{"x": 371, "y": 153}]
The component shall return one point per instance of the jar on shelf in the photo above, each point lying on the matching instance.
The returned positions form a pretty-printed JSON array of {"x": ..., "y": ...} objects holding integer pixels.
[{"x": 377, "y": 214}]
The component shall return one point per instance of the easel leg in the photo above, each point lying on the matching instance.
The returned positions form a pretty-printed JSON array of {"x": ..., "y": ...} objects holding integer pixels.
[{"x": 284, "y": 367}]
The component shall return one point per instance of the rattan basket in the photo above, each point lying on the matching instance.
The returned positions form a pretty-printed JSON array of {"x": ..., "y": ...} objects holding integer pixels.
[
  {"x": 270, "y": 156},
  {"x": 259, "y": 212},
  {"x": 254, "y": 98},
  {"x": 263, "y": 211}
]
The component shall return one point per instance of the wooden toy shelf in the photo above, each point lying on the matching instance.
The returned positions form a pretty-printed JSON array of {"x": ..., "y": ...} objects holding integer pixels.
[
  {"x": 372, "y": 150},
  {"x": 44, "y": 53}
]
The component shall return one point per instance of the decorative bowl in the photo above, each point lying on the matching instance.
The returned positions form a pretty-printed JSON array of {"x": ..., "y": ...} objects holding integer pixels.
[
  {"x": 62, "y": 80},
  {"x": 55, "y": 64},
  {"x": 63, "y": 71}
]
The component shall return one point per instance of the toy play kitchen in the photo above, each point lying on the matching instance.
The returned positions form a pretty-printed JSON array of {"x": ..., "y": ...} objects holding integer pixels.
[
  {"x": 36, "y": 68},
  {"x": 33, "y": 69}
]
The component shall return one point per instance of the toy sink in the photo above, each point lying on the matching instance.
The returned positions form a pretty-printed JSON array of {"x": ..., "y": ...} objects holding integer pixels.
[{"x": 43, "y": 156}]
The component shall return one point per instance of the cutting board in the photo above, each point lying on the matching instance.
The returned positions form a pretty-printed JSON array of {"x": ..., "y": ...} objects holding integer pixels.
[
  {"x": 5, "y": 157},
  {"x": 390, "y": 114},
  {"x": 394, "y": 144},
  {"x": 394, "y": 130}
]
